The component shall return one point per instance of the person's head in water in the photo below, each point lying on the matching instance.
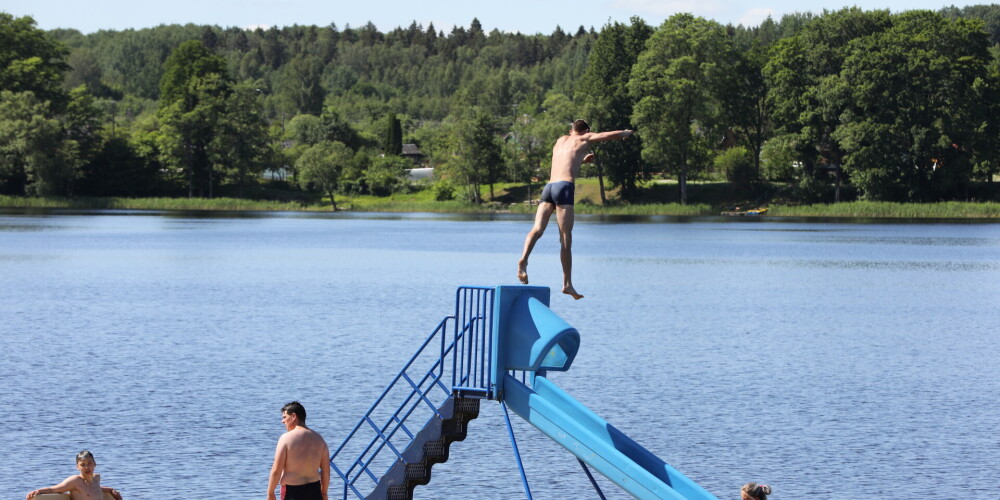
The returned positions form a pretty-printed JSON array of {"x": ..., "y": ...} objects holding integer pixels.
[
  {"x": 581, "y": 127},
  {"x": 293, "y": 409},
  {"x": 754, "y": 491}
]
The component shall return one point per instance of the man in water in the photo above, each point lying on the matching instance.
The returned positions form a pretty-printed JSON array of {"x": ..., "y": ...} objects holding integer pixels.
[
  {"x": 301, "y": 460},
  {"x": 568, "y": 154}
]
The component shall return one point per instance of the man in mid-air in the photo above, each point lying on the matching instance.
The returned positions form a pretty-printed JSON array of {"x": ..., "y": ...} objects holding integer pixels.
[{"x": 569, "y": 152}]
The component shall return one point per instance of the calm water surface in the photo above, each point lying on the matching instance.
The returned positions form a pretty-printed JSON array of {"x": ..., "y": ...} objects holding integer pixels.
[{"x": 827, "y": 359}]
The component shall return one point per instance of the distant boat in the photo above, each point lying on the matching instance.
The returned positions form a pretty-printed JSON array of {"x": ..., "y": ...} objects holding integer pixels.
[{"x": 738, "y": 212}]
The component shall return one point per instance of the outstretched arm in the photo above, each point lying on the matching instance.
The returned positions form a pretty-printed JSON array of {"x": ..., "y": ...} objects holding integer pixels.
[
  {"x": 66, "y": 485},
  {"x": 607, "y": 136}
]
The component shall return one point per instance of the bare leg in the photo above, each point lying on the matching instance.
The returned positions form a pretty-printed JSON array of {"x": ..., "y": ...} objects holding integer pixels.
[
  {"x": 541, "y": 220},
  {"x": 565, "y": 218}
]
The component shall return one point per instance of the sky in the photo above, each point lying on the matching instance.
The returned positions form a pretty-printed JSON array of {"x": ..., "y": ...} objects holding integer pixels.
[{"x": 525, "y": 16}]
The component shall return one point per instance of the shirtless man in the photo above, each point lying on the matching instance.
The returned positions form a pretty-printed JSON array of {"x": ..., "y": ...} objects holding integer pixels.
[
  {"x": 568, "y": 154},
  {"x": 301, "y": 460},
  {"x": 85, "y": 486}
]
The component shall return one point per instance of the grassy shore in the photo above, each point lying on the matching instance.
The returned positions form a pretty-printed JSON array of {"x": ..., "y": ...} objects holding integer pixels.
[
  {"x": 509, "y": 199},
  {"x": 873, "y": 209}
]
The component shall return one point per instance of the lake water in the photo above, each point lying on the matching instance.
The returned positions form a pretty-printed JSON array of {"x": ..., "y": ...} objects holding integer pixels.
[{"x": 829, "y": 359}]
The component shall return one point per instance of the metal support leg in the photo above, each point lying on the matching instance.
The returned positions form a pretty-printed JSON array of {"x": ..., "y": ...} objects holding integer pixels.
[
  {"x": 591, "y": 477},
  {"x": 517, "y": 454}
]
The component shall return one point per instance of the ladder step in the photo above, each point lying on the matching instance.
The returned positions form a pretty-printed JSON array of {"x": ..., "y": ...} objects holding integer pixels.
[
  {"x": 399, "y": 493},
  {"x": 418, "y": 472},
  {"x": 436, "y": 451},
  {"x": 468, "y": 406}
]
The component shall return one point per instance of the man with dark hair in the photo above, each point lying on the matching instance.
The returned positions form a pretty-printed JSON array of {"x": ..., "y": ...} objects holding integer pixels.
[
  {"x": 569, "y": 152},
  {"x": 296, "y": 408},
  {"x": 301, "y": 460}
]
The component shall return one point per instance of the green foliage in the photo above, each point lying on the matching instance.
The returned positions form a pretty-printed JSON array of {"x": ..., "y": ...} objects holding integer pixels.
[
  {"x": 737, "y": 163},
  {"x": 300, "y": 82},
  {"x": 155, "y": 111},
  {"x": 678, "y": 81},
  {"x": 392, "y": 135},
  {"x": 482, "y": 156},
  {"x": 30, "y": 61},
  {"x": 911, "y": 110},
  {"x": 444, "y": 190},
  {"x": 239, "y": 150},
  {"x": 36, "y": 158},
  {"x": 779, "y": 155},
  {"x": 188, "y": 62},
  {"x": 307, "y": 129},
  {"x": 320, "y": 166},
  {"x": 609, "y": 104},
  {"x": 527, "y": 148},
  {"x": 801, "y": 75},
  {"x": 387, "y": 174}
]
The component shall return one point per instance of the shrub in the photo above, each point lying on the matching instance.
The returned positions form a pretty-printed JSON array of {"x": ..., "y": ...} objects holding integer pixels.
[
  {"x": 737, "y": 163},
  {"x": 444, "y": 190}
]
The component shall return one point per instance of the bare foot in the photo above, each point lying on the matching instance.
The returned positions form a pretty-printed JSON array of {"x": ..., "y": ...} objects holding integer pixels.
[
  {"x": 570, "y": 291},
  {"x": 522, "y": 271}
]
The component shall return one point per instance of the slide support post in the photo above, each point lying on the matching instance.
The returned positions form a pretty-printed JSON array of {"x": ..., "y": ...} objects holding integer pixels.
[{"x": 517, "y": 454}]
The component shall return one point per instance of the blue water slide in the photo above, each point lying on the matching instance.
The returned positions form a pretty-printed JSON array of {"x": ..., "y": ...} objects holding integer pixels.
[
  {"x": 533, "y": 339},
  {"x": 597, "y": 442}
]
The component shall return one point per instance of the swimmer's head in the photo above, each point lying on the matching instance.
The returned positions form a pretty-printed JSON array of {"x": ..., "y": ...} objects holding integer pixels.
[
  {"x": 754, "y": 491},
  {"x": 581, "y": 127}
]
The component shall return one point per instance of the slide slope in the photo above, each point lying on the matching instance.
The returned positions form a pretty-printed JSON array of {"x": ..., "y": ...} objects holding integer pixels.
[{"x": 598, "y": 443}]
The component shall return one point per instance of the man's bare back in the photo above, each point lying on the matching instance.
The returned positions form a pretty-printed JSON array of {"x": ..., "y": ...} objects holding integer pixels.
[
  {"x": 305, "y": 453},
  {"x": 568, "y": 154}
]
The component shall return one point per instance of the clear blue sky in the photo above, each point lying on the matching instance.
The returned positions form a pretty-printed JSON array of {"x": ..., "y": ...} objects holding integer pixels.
[{"x": 525, "y": 16}]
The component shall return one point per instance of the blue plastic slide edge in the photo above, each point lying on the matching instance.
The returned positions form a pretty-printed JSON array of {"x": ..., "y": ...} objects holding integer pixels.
[{"x": 598, "y": 443}]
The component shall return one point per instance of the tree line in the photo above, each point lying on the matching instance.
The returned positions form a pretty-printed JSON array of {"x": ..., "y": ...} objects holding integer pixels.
[{"x": 870, "y": 104}]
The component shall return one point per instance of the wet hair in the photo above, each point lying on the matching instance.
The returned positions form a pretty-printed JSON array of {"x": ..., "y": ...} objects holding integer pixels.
[
  {"x": 296, "y": 408},
  {"x": 581, "y": 127},
  {"x": 756, "y": 491},
  {"x": 84, "y": 455}
]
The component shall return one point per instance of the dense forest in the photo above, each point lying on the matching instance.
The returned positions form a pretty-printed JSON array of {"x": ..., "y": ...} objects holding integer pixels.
[{"x": 847, "y": 104}]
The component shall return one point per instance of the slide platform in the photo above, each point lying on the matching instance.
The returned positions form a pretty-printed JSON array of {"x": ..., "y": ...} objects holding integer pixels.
[{"x": 598, "y": 443}]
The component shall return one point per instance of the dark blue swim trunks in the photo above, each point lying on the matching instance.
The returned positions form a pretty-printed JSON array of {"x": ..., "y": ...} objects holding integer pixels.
[{"x": 559, "y": 193}]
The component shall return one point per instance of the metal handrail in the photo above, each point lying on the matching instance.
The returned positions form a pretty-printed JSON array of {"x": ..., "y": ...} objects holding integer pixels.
[{"x": 469, "y": 349}]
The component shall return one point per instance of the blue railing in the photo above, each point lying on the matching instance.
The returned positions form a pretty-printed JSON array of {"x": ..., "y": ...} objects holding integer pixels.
[{"x": 375, "y": 443}]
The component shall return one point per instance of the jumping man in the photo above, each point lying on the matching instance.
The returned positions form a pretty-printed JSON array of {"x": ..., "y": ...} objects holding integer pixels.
[{"x": 568, "y": 154}]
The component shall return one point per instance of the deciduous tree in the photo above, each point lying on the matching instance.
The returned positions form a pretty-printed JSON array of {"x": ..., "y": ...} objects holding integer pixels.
[
  {"x": 320, "y": 165},
  {"x": 677, "y": 81}
]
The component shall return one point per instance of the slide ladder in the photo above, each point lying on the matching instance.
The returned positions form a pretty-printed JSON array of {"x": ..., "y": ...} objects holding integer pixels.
[
  {"x": 500, "y": 344},
  {"x": 426, "y": 407}
]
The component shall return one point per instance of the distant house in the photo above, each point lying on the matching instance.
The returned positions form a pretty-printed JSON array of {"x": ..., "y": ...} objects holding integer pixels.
[{"x": 411, "y": 152}]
